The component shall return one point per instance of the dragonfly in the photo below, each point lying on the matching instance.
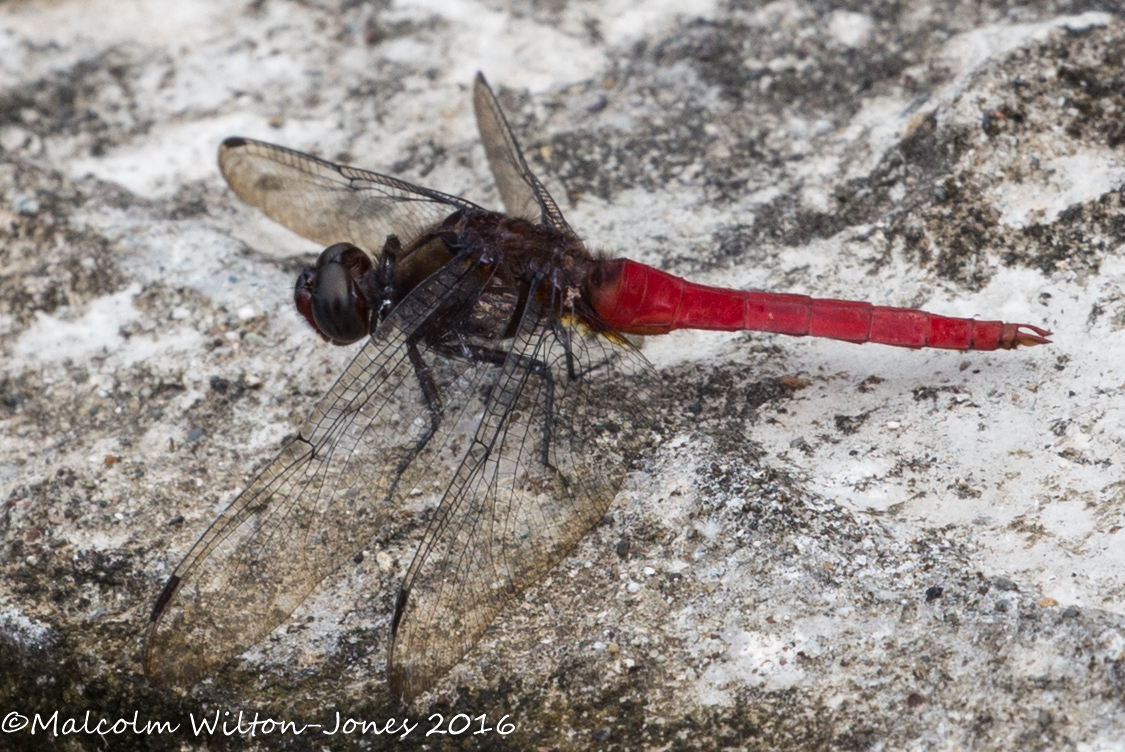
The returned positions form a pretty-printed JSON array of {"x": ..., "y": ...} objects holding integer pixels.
[{"x": 498, "y": 365}]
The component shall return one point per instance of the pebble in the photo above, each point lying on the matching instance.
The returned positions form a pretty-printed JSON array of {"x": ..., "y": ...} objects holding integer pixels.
[{"x": 27, "y": 206}]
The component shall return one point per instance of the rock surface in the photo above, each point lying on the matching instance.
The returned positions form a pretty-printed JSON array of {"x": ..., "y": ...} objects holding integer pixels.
[{"x": 838, "y": 547}]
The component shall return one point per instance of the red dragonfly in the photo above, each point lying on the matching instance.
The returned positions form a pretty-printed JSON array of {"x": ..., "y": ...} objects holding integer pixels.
[{"x": 494, "y": 358}]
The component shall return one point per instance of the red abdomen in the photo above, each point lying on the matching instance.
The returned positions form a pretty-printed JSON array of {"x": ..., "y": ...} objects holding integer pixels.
[{"x": 637, "y": 299}]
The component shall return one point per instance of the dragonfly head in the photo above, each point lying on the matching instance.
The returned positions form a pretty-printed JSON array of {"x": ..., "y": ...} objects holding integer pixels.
[{"x": 335, "y": 296}]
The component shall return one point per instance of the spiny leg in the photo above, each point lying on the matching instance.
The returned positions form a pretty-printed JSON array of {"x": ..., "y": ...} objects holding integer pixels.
[
  {"x": 497, "y": 357},
  {"x": 434, "y": 405},
  {"x": 563, "y": 335}
]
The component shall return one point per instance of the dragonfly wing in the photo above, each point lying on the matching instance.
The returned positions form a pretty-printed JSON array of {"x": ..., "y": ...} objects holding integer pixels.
[
  {"x": 515, "y": 509},
  {"x": 522, "y": 193},
  {"x": 318, "y": 503},
  {"x": 330, "y": 203}
]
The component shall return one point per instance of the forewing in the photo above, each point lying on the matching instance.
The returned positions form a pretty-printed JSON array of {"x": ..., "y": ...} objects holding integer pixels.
[
  {"x": 514, "y": 510},
  {"x": 522, "y": 193},
  {"x": 330, "y": 203},
  {"x": 320, "y": 501}
]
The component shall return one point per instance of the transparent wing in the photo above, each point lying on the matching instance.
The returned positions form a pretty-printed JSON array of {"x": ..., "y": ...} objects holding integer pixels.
[
  {"x": 560, "y": 430},
  {"x": 522, "y": 193},
  {"x": 325, "y": 495},
  {"x": 330, "y": 203}
]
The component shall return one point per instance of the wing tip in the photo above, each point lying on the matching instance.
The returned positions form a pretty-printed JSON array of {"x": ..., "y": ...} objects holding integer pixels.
[
  {"x": 400, "y": 607},
  {"x": 170, "y": 588},
  {"x": 233, "y": 142},
  {"x": 404, "y": 684}
]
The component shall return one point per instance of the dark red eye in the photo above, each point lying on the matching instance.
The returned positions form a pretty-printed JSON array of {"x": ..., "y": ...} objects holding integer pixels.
[
  {"x": 334, "y": 305},
  {"x": 330, "y": 296}
]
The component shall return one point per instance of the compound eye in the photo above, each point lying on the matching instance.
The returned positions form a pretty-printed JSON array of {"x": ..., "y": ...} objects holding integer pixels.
[{"x": 334, "y": 305}]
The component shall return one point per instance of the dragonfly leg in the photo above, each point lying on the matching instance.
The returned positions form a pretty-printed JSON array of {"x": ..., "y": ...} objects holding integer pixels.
[
  {"x": 380, "y": 282},
  {"x": 434, "y": 405},
  {"x": 429, "y": 392},
  {"x": 563, "y": 335},
  {"x": 497, "y": 358},
  {"x": 548, "y": 408}
]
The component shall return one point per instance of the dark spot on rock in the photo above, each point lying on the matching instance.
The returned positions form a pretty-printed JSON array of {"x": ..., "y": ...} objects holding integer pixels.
[
  {"x": 925, "y": 393},
  {"x": 867, "y": 384},
  {"x": 850, "y": 424},
  {"x": 1004, "y": 584}
]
